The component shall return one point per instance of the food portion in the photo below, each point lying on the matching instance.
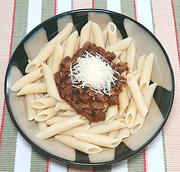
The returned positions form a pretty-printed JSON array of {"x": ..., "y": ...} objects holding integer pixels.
[
  {"x": 90, "y": 82},
  {"x": 88, "y": 91}
]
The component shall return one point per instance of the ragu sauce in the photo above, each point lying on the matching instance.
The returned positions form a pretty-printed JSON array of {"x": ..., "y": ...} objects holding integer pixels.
[{"x": 91, "y": 104}]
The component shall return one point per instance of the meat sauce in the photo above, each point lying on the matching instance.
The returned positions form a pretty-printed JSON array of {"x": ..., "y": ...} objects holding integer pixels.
[{"x": 86, "y": 102}]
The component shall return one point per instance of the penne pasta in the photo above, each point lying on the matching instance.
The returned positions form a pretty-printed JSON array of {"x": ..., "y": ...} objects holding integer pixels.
[
  {"x": 56, "y": 119},
  {"x": 91, "y": 36},
  {"x": 123, "y": 56},
  {"x": 137, "y": 95},
  {"x": 57, "y": 57},
  {"x": 146, "y": 71},
  {"x": 79, "y": 145},
  {"x": 98, "y": 36},
  {"x": 42, "y": 125},
  {"x": 130, "y": 56},
  {"x": 111, "y": 113},
  {"x": 63, "y": 106},
  {"x": 32, "y": 89},
  {"x": 50, "y": 60},
  {"x": 45, "y": 114},
  {"x": 50, "y": 82},
  {"x": 112, "y": 33},
  {"x": 77, "y": 44},
  {"x": 27, "y": 79},
  {"x": 67, "y": 113},
  {"x": 140, "y": 63},
  {"x": 61, "y": 127},
  {"x": 113, "y": 134},
  {"x": 117, "y": 60},
  {"x": 85, "y": 33},
  {"x": 105, "y": 35},
  {"x": 30, "y": 111},
  {"x": 131, "y": 113},
  {"x": 106, "y": 128},
  {"x": 123, "y": 101},
  {"x": 123, "y": 133},
  {"x": 42, "y": 103},
  {"x": 71, "y": 44},
  {"x": 120, "y": 45},
  {"x": 98, "y": 139},
  {"x": 137, "y": 75}
]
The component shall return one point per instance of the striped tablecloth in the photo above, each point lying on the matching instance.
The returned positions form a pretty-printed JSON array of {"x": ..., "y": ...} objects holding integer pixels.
[{"x": 162, "y": 17}]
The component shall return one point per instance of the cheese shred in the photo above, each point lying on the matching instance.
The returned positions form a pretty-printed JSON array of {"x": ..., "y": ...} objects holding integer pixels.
[{"x": 93, "y": 71}]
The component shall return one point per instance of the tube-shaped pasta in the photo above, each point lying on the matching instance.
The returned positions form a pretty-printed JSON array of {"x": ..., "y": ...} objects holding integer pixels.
[
  {"x": 117, "y": 60},
  {"x": 91, "y": 36},
  {"x": 57, "y": 57},
  {"x": 137, "y": 94},
  {"x": 140, "y": 63},
  {"x": 26, "y": 79},
  {"x": 111, "y": 113},
  {"x": 60, "y": 127},
  {"x": 85, "y": 33},
  {"x": 146, "y": 71},
  {"x": 43, "y": 102},
  {"x": 120, "y": 45},
  {"x": 113, "y": 133},
  {"x": 123, "y": 133},
  {"x": 63, "y": 106},
  {"x": 48, "y": 48},
  {"x": 137, "y": 74},
  {"x": 98, "y": 36},
  {"x": 112, "y": 33},
  {"x": 123, "y": 101},
  {"x": 131, "y": 113},
  {"x": 50, "y": 60},
  {"x": 50, "y": 82},
  {"x": 32, "y": 89},
  {"x": 45, "y": 114},
  {"x": 106, "y": 128},
  {"x": 42, "y": 125},
  {"x": 105, "y": 33},
  {"x": 77, "y": 44},
  {"x": 30, "y": 111},
  {"x": 71, "y": 44},
  {"x": 67, "y": 113},
  {"x": 79, "y": 145},
  {"x": 98, "y": 139},
  {"x": 56, "y": 119},
  {"x": 123, "y": 56},
  {"x": 75, "y": 130}
]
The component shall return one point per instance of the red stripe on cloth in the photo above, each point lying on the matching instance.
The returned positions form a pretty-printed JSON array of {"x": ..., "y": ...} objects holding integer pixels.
[
  {"x": 135, "y": 11},
  {"x": 47, "y": 165},
  {"x": 55, "y": 7},
  {"x": 10, "y": 53},
  {"x": 92, "y": 3},
  {"x": 175, "y": 28}
]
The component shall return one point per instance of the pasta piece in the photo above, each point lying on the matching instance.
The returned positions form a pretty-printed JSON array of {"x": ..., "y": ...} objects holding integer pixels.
[
  {"x": 85, "y": 33},
  {"x": 146, "y": 71},
  {"x": 57, "y": 57},
  {"x": 32, "y": 89},
  {"x": 42, "y": 103},
  {"x": 105, "y": 33},
  {"x": 42, "y": 125},
  {"x": 67, "y": 113},
  {"x": 98, "y": 36},
  {"x": 73, "y": 131},
  {"x": 98, "y": 139},
  {"x": 30, "y": 111},
  {"x": 50, "y": 60},
  {"x": 106, "y": 128},
  {"x": 29, "y": 78},
  {"x": 137, "y": 74},
  {"x": 77, "y": 44},
  {"x": 139, "y": 121},
  {"x": 79, "y": 145},
  {"x": 64, "y": 44},
  {"x": 50, "y": 82},
  {"x": 140, "y": 63},
  {"x": 61, "y": 127},
  {"x": 117, "y": 60},
  {"x": 56, "y": 119},
  {"x": 113, "y": 133},
  {"x": 123, "y": 101},
  {"x": 111, "y": 113},
  {"x": 48, "y": 48},
  {"x": 124, "y": 133},
  {"x": 63, "y": 106},
  {"x": 120, "y": 45},
  {"x": 123, "y": 56},
  {"x": 45, "y": 114},
  {"x": 71, "y": 44},
  {"x": 91, "y": 36},
  {"x": 137, "y": 95},
  {"x": 130, "y": 56},
  {"x": 112, "y": 33},
  {"x": 131, "y": 113}
]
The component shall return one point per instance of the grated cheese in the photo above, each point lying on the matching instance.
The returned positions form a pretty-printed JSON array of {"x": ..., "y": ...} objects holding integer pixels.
[{"x": 93, "y": 71}]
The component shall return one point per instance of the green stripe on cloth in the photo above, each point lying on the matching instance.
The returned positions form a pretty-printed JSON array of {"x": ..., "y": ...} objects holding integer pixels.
[
  {"x": 103, "y": 169},
  {"x": 47, "y": 9},
  {"x": 136, "y": 163},
  {"x": 38, "y": 162},
  {"x": 127, "y": 8},
  {"x": 177, "y": 13},
  {"x": 100, "y": 4},
  {"x": 9, "y": 135}
]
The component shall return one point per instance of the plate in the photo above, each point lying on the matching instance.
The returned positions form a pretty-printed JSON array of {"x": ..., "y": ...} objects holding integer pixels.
[{"x": 146, "y": 43}]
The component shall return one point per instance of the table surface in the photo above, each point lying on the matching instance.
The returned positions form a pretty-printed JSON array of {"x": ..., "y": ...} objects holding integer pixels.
[{"x": 162, "y": 17}]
